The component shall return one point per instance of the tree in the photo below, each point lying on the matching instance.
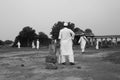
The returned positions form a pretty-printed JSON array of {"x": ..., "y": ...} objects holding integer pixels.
[
  {"x": 1, "y": 42},
  {"x": 55, "y": 29},
  {"x": 42, "y": 35},
  {"x": 78, "y": 31},
  {"x": 58, "y": 26},
  {"x": 89, "y": 32},
  {"x": 8, "y": 42},
  {"x": 26, "y": 36},
  {"x": 15, "y": 41},
  {"x": 43, "y": 38},
  {"x": 71, "y": 26}
]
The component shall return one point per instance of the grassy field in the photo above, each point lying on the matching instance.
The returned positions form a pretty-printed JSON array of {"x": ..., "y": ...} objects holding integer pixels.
[{"x": 29, "y": 64}]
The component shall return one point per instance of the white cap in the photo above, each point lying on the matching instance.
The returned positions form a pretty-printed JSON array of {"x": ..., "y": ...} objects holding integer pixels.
[{"x": 65, "y": 24}]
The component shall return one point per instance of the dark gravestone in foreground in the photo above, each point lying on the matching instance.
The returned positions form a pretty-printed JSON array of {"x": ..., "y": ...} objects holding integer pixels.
[{"x": 51, "y": 59}]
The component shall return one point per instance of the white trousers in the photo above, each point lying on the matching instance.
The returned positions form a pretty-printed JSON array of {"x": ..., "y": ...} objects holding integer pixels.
[
  {"x": 18, "y": 46},
  {"x": 83, "y": 49},
  {"x": 70, "y": 58},
  {"x": 83, "y": 44},
  {"x": 97, "y": 45},
  {"x": 37, "y": 46}
]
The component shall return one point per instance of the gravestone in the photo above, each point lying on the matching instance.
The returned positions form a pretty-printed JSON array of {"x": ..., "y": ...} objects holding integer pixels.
[{"x": 51, "y": 59}]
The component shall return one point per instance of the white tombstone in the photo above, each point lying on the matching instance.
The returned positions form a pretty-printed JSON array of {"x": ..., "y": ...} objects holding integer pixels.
[
  {"x": 38, "y": 43},
  {"x": 33, "y": 45},
  {"x": 18, "y": 44}
]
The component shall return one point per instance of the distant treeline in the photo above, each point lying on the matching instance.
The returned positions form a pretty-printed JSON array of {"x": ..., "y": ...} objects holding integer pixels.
[
  {"x": 28, "y": 35},
  {"x": 6, "y": 42}
]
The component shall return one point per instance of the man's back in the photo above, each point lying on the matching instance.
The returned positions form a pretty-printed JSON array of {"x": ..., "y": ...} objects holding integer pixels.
[{"x": 66, "y": 34}]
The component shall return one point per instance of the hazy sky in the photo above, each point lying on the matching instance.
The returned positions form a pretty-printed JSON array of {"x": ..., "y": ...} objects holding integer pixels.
[{"x": 102, "y": 16}]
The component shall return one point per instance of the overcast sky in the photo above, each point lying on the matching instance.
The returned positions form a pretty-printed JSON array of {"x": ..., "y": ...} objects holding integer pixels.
[{"x": 102, "y": 16}]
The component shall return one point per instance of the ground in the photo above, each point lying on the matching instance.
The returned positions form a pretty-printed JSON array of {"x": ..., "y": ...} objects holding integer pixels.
[{"x": 29, "y": 64}]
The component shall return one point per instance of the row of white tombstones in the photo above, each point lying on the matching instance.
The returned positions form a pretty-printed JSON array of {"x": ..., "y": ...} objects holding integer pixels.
[{"x": 33, "y": 45}]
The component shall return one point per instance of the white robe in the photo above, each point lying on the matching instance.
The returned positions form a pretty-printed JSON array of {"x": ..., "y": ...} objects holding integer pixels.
[
  {"x": 38, "y": 44},
  {"x": 66, "y": 35},
  {"x": 97, "y": 44},
  {"x": 82, "y": 42},
  {"x": 18, "y": 44},
  {"x": 33, "y": 45}
]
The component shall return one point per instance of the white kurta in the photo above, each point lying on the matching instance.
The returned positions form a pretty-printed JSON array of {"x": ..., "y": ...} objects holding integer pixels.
[
  {"x": 82, "y": 42},
  {"x": 97, "y": 44},
  {"x": 37, "y": 44},
  {"x": 33, "y": 45},
  {"x": 18, "y": 44},
  {"x": 66, "y": 35}
]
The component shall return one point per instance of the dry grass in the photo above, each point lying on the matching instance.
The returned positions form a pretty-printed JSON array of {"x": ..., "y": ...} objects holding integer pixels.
[{"x": 114, "y": 58}]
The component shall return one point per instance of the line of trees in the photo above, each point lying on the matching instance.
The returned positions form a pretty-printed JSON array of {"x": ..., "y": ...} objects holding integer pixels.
[
  {"x": 28, "y": 35},
  {"x": 6, "y": 42}
]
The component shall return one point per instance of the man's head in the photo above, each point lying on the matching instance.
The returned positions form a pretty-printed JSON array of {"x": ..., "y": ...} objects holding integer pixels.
[{"x": 65, "y": 24}]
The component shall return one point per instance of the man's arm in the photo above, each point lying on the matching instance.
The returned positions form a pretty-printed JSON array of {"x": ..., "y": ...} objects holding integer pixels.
[
  {"x": 59, "y": 37},
  {"x": 72, "y": 34},
  {"x": 85, "y": 38},
  {"x": 79, "y": 40}
]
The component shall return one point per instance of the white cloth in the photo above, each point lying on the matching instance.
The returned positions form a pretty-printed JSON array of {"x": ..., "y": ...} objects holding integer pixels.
[
  {"x": 66, "y": 35},
  {"x": 82, "y": 42},
  {"x": 33, "y": 45},
  {"x": 97, "y": 44},
  {"x": 18, "y": 44},
  {"x": 70, "y": 58},
  {"x": 38, "y": 44}
]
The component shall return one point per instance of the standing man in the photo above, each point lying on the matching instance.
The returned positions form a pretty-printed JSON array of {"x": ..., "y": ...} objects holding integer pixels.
[
  {"x": 82, "y": 42},
  {"x": 33, "y": 45},
  {"x": 18, "y": 44},
  {"x": 38, "y": 44},
  {"x": 66, "y": 36},
  {"x": 97, "y": 44}
]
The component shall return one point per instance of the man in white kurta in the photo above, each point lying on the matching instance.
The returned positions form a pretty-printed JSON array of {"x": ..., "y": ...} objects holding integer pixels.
[
  {"x": 18, "y": 44},
  {"x": 66, "y": 36},
  {"x": 82, "y": 42},
  {"x": 38, "y": 43},
  {"x": 97, "y": 44},
  {"x": 33, "y": 45}
]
